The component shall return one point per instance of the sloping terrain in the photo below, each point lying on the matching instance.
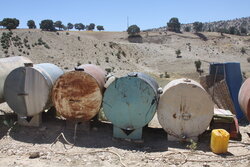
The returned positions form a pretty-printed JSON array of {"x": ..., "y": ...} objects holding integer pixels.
[
  {"x": 112, "y": 50},
  {"x": 238, "y": 23}
]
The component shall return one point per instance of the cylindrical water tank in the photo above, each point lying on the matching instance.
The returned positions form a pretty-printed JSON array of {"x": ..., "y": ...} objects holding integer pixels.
[
  {"x": 244, "y": 98},
  {"x": 185, "y": 109},
  {"x": 77, "y": 95},
  {"x": 130, "y": 102},
  {"x": 6, "y": 66},
  {"x": 27, "y": 90}
]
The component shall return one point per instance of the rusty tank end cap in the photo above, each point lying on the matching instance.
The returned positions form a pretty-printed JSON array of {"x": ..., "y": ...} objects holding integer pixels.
[{"x": 28, "y": 64}]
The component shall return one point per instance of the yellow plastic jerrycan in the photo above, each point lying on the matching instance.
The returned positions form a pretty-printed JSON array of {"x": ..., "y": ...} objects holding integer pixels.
[{"x": 219, "y": 141}]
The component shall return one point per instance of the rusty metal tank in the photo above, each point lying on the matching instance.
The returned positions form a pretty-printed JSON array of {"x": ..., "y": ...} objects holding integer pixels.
[
  {"x": 6, "y": 66},
  {"x": 130, "y": 102},
  {"x": 185, "y": 109},
  {"x": 77, "y": 95},
  {"x": 27, "y": 90},
  {"x": 244, "y": 98}
]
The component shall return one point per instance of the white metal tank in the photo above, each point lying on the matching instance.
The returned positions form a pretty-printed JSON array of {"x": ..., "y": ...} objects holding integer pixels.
[
  {"x": 185, "y": 109},
  {"x": 6, "y": 66},
  {"x": 27, "y": 90}
]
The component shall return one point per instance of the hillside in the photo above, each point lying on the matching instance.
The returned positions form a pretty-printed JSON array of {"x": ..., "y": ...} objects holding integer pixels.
[
  {"x": 215, "y": 26},
  {"x": 111, "y": 50}
]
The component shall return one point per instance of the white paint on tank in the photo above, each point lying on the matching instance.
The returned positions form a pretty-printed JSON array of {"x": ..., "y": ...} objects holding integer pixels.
[
  {"x": 185, "y": 109},
  {"x": 6, "y": 66}
]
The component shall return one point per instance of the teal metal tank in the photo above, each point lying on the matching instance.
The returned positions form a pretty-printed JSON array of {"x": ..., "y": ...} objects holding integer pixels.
[{"x": 130, "y": 102}]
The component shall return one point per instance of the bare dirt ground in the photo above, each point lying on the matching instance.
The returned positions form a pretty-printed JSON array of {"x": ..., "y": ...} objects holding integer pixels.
[{"x": 96, "y": 147}]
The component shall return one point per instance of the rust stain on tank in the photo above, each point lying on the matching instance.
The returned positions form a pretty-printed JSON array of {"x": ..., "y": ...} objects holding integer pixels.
[{"x": 77, "y": 95}]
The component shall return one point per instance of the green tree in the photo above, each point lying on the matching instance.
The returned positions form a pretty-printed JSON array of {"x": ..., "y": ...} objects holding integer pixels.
[
  {"x": 70, "y": 26},
  {"x": 133, "y": 30},
  {"x": 197, "y": 65},
  {"x": 99, "y": 28},
  {"x": 58, "y": 24},
  {"x": 64, "y": 27},
  {"x": 243, "y": 30},
  {"x": 1, "y": 24},
  {"x": 47, "y": 25},
  {"x": 31, "y": 24},
  {"x": 178, "y": 53},
  {"x": 79, "y": 26},
  {"x": 223, "y": 30},
  {"x": 91, "y": 26},
  {"x": 10, "y": 23},
  {"x": 197, "y": 26},
  {"x": 243, "y": 50},
  {"x": 174, "y": 25},
  {"x": 187, "y": 29},
  {"x": 232, "y": 30}
]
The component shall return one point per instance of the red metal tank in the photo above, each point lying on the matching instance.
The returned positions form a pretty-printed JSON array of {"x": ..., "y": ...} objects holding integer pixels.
[
  {"x": 77, "y": 95},
  {"x": 244, "y": 98}
]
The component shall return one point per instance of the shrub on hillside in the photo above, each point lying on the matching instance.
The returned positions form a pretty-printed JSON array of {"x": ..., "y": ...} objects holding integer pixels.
[
  {"x": 197, "y": 26},
  {"x": 174, "y": 25},
  {"x": 178, "y": 53},
  {"x": 187, "y": 29}
]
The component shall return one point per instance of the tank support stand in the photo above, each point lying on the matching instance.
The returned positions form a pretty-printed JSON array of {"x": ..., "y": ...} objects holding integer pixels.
[
  {"x": 135, "y": 134},
  {"x": 81, "y": 126},
  {"x": 173, "y": 138},
  {"x": 34, "y": 121}
]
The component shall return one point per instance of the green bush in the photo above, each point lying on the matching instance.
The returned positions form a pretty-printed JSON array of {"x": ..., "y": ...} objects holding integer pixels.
[
  {"x": 174, "y": 25},
  {"x": 197, "y": 65},
  {"x": 178, "y": 53},
  {"x": 133, "y": 30},
  {"x": 106, "y": 59},
  {"x": 46, "y": 46},
  {"x": 243, "y": 50}
]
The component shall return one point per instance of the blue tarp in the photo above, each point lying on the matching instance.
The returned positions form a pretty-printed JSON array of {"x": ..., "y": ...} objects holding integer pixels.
[{"x": 232, "y": 73}]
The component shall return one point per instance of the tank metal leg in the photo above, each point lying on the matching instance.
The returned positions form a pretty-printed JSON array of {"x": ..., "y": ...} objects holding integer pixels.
[
  {"x": 34, "y": 121},
  {"x": 135, "y": 134},
  {"x": 173, "y": 138},
  {"x": 81, "y": 126}
]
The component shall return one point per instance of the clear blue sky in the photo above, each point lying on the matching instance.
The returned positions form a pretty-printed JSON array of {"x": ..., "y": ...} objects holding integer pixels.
[{"x": 112, "y": 14}]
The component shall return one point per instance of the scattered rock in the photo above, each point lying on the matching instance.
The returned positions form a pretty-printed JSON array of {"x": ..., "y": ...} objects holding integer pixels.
[
  {"x": 42, "y": 128},
  {"x": 34, "y": 155}
]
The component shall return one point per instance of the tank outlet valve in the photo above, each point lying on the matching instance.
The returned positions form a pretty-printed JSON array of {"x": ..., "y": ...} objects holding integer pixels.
[
  {"x": 187, "y": 80},
  {"x": 159, "y": 90},
  {"x": 79, "y": 69},
  {"x": 28, "y": 64},
  {"x": 132, "y": 74}
]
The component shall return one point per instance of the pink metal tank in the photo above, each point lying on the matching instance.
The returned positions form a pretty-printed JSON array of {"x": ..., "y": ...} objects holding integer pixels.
[{"x": 244, "y": 98}]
